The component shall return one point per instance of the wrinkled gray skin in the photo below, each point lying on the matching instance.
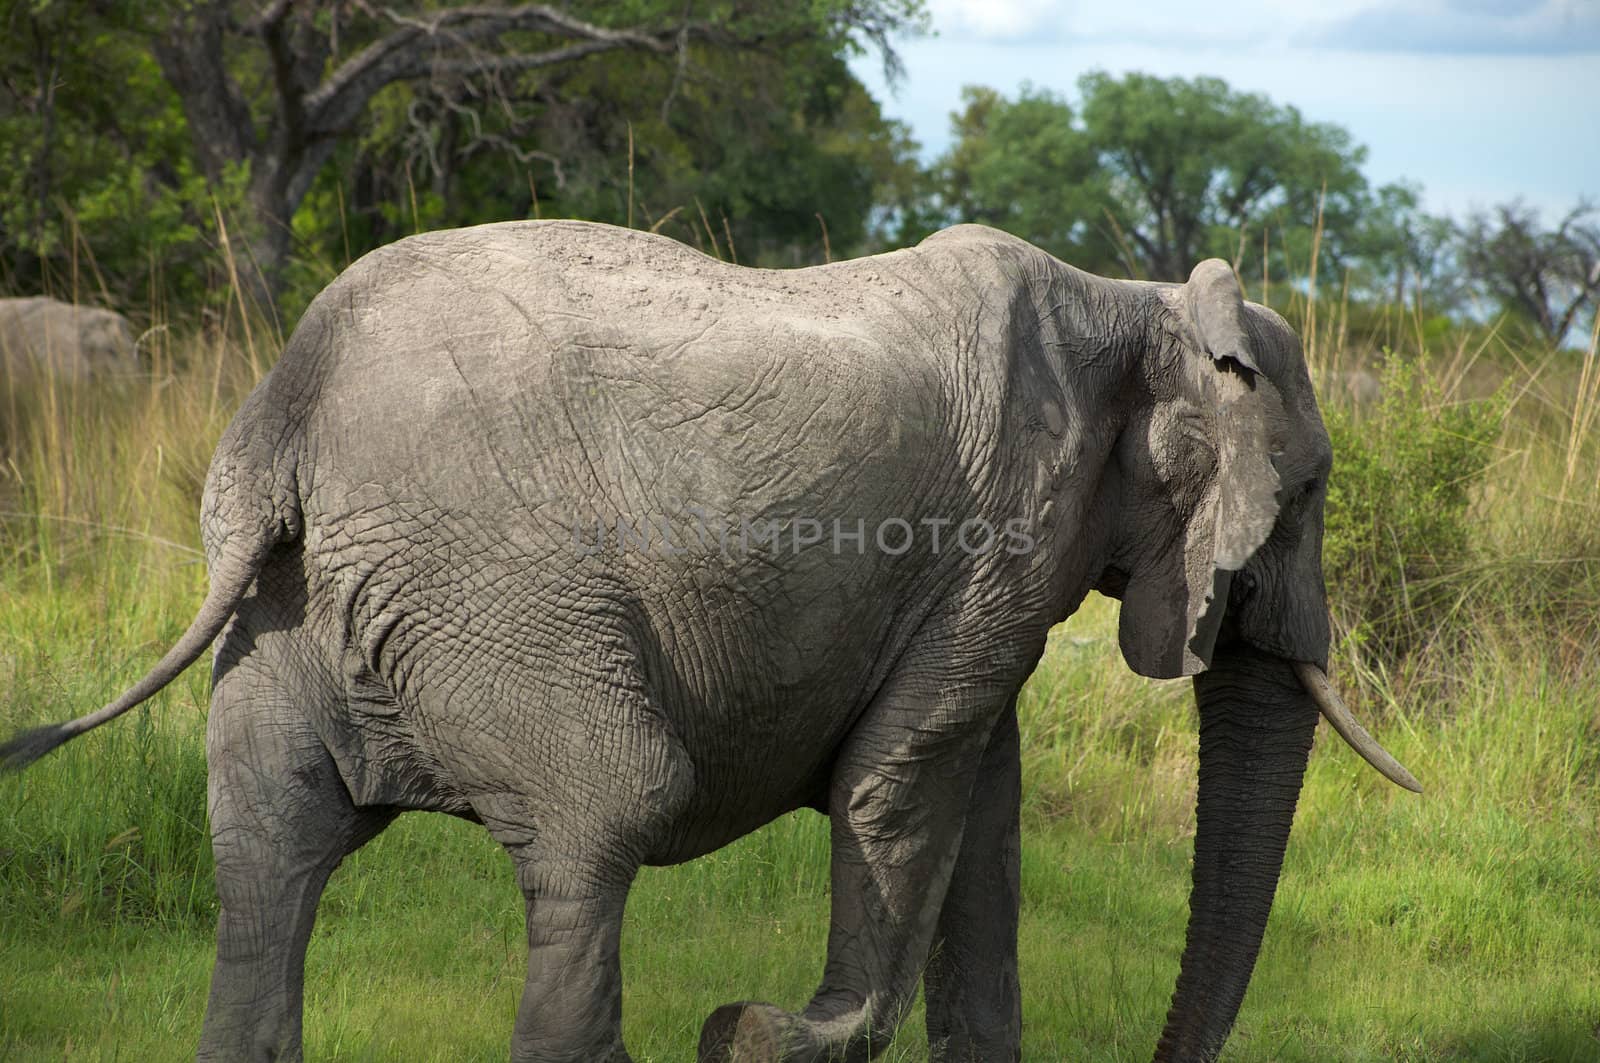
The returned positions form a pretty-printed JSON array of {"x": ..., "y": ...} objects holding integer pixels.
[
  {"x": 389, "y": 527},
  {"x": 43, "y": 334}
]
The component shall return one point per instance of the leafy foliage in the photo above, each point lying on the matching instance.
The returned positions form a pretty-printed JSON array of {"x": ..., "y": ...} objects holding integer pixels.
[
  {"x": 1399, "y": 518},
  {"x": 743, "y": 120},
  {"x": 1193, "y": 165},
  {"x": 1149, "y": 175},
  {"x": 1403, "y": 255},
  {"x": 1021, "y": 165},
  {"x": 1544, "y": 278},
  {"x": 98, "y": 190}
]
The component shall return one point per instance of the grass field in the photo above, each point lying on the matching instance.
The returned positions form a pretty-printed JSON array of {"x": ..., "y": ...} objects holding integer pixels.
[{"x": 1461, "y": 925}]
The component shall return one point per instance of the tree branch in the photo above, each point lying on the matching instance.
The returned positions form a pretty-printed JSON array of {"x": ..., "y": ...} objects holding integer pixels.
[
  {"x": 502, "y": 64},
  {"x": 190, "y": 54},
  {"x": 291, "y": 98},
  {"x": 273, "y": 14},
  {"x": 414, "y": 49}
]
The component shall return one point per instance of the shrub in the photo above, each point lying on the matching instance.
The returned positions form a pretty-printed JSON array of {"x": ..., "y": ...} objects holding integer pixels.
[{"x": 1399, "y": 521}]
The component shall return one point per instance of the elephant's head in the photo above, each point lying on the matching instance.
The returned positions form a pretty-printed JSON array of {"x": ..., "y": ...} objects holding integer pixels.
[
  {"x": 1220, "y": 479},
  {"x": 105, "y": 340}
]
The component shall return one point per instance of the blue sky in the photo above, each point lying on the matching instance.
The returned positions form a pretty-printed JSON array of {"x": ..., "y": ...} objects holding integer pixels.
[{"x": 1479, "y": 101}]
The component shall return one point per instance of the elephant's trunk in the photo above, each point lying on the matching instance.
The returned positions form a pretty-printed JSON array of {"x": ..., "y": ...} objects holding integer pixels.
[{"x": 1256, "y": 725}]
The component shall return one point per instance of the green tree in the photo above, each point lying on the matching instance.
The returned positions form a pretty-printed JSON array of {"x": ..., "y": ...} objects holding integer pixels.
[
  {"x": 1023, "y": 166},
  {"x": 1196, "y": 169},
  {"x": 751, "y": 149},
  {"x": 97, "y": 185},
  {"x": 1149, "y": 175},
  {"x": 1402, "y": 253},
  {"x": 469, "y": 100},
  {"x": 1546, "y": 279}
]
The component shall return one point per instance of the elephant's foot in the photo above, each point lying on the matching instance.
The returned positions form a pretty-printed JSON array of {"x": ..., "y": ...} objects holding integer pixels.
[
  {"x": 747, "y": 1032},
  {"x": 751, "y": 1032}
]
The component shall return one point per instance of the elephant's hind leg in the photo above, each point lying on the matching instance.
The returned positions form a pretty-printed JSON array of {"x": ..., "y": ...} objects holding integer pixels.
[
  {"x": 578, "y": 806},
  {"x": 571, "y": 1008},
  {"x": 281, "y": 821}
]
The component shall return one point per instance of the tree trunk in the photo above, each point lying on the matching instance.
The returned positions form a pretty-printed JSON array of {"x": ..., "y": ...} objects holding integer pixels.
[
  {"x": 1256, "y": 726},
  {"x": 257, "y": 247}
]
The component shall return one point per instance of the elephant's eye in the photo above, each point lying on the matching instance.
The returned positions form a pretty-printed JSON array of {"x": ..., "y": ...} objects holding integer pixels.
[{"x": 1296, "y": 498}]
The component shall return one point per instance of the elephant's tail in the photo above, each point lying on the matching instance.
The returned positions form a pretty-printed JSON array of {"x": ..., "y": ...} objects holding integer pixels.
[
  {"x": 244, "y": 517},
  {"x": 230, "y": 581}
]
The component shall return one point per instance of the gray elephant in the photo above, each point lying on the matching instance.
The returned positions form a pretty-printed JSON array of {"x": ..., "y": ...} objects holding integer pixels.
[
  {"x": 39, "y": 333},
  {"x": 624, "y": 552},
  {"x": 1359, "y": 388}
]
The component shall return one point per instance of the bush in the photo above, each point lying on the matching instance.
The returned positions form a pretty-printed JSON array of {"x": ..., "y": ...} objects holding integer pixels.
[{"x": 1399, "y": 514}]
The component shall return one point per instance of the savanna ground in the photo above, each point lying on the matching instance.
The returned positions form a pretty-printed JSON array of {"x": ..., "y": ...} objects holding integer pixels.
[{"x": 1461, "y": 925}]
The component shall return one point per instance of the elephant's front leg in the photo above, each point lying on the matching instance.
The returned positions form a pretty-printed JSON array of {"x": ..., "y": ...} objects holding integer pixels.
[
  {"x": 974, "y": 1002},
  {"x": 899, "y": 792}
]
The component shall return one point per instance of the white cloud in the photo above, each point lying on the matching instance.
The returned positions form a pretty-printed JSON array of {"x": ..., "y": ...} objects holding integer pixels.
[
  {"x": 1466, "y": 27},
  {"x": 1161, "y": 23},
  {"x": 1494, "y": 7},
  {"x": 1436, "y": 27},
  {"x": 999, "y": 20}
]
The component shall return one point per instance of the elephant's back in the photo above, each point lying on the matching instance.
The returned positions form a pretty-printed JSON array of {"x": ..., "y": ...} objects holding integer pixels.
[
  {"x": 586, "y": 277},
  {"x": 541, "y": 372}
]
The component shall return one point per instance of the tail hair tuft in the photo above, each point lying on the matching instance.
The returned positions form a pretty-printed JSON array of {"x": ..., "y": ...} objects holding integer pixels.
[{"x": 28, "y": 746}]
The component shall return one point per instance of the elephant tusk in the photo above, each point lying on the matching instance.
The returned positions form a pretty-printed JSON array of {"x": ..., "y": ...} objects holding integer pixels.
[{"x": 1316, "y": 683}]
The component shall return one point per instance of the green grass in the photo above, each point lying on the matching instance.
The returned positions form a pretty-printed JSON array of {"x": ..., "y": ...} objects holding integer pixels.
[
  {"x": 1458, "y": 926},
  {"x": 1462, "y": 925}
]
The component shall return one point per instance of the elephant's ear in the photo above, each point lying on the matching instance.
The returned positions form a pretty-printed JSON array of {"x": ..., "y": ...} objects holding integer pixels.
[{"x": 1171, "y": 612}]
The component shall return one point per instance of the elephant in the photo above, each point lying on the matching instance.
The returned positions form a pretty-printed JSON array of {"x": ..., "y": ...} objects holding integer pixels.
[
  {"x": 623, "y": 552},
  {"x": 78, "y": 342},
  {"x": 1358, "y": 388}
]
